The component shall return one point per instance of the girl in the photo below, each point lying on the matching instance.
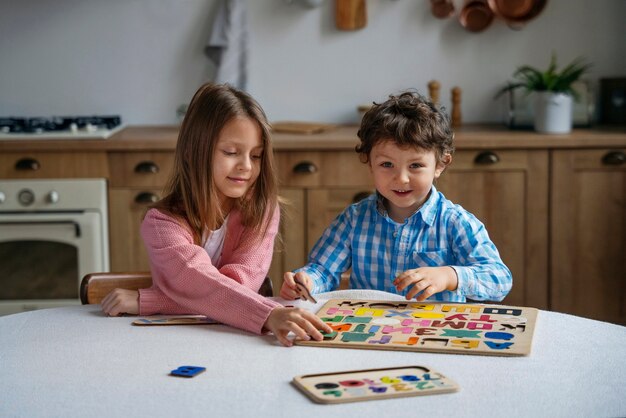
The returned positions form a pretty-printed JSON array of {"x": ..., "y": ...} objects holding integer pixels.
[{"x": 210, "y": 239}]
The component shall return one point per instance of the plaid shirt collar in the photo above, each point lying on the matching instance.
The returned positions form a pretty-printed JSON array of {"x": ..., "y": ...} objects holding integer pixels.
[{"x": 426, "y": 212}]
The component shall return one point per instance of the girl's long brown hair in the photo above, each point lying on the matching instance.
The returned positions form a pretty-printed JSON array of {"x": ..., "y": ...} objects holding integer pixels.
[{"x": 191, "y": 193}]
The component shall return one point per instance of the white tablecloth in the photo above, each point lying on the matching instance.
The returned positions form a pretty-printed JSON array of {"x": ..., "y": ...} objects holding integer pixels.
[{"x": 75, "y": 362}]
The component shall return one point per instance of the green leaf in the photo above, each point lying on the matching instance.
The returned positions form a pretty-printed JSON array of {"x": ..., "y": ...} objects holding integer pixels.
[{"x": 532, "y": 79}]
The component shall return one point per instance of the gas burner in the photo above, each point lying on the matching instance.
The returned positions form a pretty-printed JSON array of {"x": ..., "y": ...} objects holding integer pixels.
[
  {"x": 58, "y": 127},
  {"x": 55, "y": 124}
]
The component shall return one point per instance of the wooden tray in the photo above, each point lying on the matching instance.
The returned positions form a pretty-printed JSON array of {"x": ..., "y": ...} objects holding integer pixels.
[
  {"x": 174, "y": 320},
  {"x": 306, "y": 128},
  {"x": 373, "y": 384}
]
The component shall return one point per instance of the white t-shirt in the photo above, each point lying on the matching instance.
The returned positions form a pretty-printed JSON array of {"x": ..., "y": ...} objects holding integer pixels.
[{"x": 214, "y": 242}]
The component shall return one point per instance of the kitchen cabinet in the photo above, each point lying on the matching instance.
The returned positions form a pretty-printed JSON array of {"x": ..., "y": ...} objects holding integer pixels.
[
  {"x": 555, "y": 205},
  {"x": 507, "y": 190},
  {"x": 27, "y": 164},
  {"x": 588, "y": 233},
  {"x": 318, "y": 186},
  {"x": 137, "y": 180},
  {"x": 289, "y": 247}
]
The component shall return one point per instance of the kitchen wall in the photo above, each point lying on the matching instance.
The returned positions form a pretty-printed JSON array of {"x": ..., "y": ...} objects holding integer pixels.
[{"x": 143, "y": 58}]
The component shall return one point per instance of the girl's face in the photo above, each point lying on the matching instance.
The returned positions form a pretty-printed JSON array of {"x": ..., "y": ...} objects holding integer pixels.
[
  {"x": 403, "y": 176},
  {"x": 237, "y": 159}
]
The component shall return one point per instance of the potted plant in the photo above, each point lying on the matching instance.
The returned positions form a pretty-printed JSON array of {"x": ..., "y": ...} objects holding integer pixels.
[{"x": 553, "y": 92}]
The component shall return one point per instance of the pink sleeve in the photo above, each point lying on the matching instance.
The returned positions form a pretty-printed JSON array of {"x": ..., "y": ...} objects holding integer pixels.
[{"x": 186, "y": 281}]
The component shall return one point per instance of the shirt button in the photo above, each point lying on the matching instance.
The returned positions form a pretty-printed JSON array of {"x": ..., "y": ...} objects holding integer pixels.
[{"x": 395, "y": 234}]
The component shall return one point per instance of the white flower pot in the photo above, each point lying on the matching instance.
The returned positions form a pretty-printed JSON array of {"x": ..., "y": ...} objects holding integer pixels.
[{"x": 553, "y": 112}]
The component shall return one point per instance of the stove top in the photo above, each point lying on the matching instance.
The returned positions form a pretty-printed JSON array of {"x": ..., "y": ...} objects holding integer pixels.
[{"x": 60, "y": 127}]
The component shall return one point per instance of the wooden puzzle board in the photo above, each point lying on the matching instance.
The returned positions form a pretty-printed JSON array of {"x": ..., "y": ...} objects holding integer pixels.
[
  {"x": 174, "y": 320},
  {"x": 435, "y": 327},
  {"x": 373, "y": 384}
]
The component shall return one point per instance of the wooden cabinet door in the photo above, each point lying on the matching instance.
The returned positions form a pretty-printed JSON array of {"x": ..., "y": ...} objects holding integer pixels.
[
  {"x": 127, "y": 208},
  {"x": 136, "y": 181},
  {"x": 289, "y": 246},
  {"x": 44, "y": 165},
  {"x": 507, "y": 190},
  {"x": 588, "y": 228},
  {"x": 323, "y": 206}
]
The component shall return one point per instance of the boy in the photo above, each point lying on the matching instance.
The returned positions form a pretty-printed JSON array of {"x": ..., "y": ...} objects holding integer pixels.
[{"x": 407, "y": 238}]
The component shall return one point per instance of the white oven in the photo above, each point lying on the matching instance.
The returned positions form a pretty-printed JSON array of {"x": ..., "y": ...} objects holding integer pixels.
[{"x": 52, "y": 233}]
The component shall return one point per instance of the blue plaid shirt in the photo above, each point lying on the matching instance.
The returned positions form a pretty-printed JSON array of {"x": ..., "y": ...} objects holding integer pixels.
[{"x": 378, "y": 249}]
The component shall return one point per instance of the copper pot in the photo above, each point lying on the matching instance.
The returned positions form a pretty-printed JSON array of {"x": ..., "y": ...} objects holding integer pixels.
[
  {"x": 517, "y": 12},
  {"x": 442, "y": 9},
  {"x": 476, "y": 16}
]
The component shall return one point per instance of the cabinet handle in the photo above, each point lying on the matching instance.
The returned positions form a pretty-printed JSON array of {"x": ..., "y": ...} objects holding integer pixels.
[
  {"x": 145, "y": 198},
  {"x": 360, "y": 196},
  {"x": 305, "y": 167},
  {"x": 147, "y": 167},
  {"x": 486, "y": 158},
  {"x": 614, "y": 158},
  {"x": 27, "y": 164}
]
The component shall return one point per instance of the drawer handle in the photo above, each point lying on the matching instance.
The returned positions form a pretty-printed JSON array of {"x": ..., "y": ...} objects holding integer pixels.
[
  {"x": 305, "y": 167},
  {"x": 486, "y": 158},
  {"x": 27, "y": 164},
  {"x": 614, "y": 158},
  {"x": 360, "y": 196},
  {"x": 147, "y": 167},
  {"x": 144, "y": 198}
]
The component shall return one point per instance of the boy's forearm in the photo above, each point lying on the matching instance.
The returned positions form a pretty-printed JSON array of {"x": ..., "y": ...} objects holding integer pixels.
[
  {"x": 322, "y": 280},
  {"x": 484, "y": 281}
]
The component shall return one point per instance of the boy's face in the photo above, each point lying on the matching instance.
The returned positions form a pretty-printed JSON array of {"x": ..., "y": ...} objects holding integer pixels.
[{"x": 403, "y": 176}]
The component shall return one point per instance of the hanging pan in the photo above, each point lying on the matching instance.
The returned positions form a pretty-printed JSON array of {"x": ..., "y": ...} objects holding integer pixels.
[
  {"x": 516, "y": 13},
  {"x": 442, "y": 9},
  {"x": 476, "y": 16}
]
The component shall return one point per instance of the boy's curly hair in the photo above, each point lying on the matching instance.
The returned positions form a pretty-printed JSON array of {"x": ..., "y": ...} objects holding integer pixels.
[{"x": 409, "y": 120}]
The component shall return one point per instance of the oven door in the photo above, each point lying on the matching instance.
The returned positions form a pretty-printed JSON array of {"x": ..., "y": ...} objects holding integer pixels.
[{"x": 44, "y": 256}]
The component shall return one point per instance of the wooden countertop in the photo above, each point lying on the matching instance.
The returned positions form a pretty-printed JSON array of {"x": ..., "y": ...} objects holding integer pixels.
[{"x": 163, "y": 138}]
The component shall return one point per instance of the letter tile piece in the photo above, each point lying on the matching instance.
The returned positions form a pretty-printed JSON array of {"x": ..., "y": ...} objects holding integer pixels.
[
  {"x": 187, "y": 371},
  {"x": 329, "y": 337},
  {"x": 337, "y": 318},
  {"x": 369, "y": 311},
  {"x": 410, "y": 341},
  {"x": 383, "y": 340},
  {"x": 356, "y": 336},
  {"x": 428, "y": 315},
  {"x": 460, "y": 333},
  {"x": 465, "y": 343},
  {"x": 357, "y": 320},
  {"x": 460, "y": 308},
  {"x": 498, "y": 346},
  {"x": 340, "y": 327},
  {"x": 499, "y": 335}
]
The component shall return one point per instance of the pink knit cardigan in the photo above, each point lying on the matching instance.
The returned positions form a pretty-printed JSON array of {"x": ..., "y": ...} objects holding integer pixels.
[{"x": 186, "y": 281}]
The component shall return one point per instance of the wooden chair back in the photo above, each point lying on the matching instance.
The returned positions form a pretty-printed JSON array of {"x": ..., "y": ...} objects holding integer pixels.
[{"x": 95, "y": 286}]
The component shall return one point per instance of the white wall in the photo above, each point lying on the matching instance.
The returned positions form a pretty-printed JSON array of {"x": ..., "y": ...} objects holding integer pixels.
[{"x": 143, "y": 58}]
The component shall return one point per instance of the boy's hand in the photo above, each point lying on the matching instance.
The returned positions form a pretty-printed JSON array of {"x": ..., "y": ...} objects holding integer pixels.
[
  {"x": 289, "y": 290},
  {"x": 120, "y": 301},
  {"x": 299, "y": 321},
  {"x": 426, "y": 281}
]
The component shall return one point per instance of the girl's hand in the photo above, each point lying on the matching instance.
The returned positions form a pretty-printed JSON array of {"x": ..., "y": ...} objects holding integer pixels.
[
  {"x": 299, "y": 321},
  {"x": 120, "y": 301},
  {"x": 289, "y": 290},
  {"x": 426, "y": 281}
]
